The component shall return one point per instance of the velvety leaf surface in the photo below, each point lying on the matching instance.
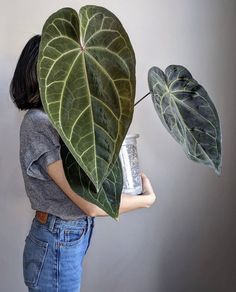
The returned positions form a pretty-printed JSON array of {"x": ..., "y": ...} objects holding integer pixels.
[
  {"x": 86, "y": 73},
  {"x": 188, "y": 113},
  {"x": 108, "y": 197}
]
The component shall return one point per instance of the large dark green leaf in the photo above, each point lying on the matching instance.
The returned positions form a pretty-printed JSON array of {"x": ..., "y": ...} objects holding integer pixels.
[
  {"x": 86, "y": 73},
  {"x": 108, "y": 197},
  {"x": 188, "y": 113}
]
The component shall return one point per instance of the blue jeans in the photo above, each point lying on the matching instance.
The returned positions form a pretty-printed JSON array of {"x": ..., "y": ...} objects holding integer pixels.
[{"x": 54, "y": 252}]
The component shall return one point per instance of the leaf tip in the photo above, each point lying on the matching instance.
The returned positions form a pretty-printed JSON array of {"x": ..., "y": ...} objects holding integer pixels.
[
  {"x": 218, "y": 171},
  {"x": 218, "y": 166}
]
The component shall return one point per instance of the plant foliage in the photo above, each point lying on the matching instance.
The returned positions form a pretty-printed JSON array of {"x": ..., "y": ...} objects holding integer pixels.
[
  {"x": 86, "y": 73},
  {"x": 108, "y": 197},
  {"x": 188, "y": 113}
]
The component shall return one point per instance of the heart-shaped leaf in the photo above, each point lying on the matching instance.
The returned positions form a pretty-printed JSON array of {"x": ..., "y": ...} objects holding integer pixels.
[
  {"x": 108, "y": 197},
  {"x": 86, "y": 73},
  {"x": 188, "y": 113}
]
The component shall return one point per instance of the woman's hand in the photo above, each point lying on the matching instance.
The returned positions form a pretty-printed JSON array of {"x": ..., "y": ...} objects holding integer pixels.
[
  {"x": 145, "y": 200},
  {"x": 148, "y": 190}
]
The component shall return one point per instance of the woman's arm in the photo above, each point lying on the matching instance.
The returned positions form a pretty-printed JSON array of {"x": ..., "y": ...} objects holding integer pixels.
[{"x": 127, "y": 203}]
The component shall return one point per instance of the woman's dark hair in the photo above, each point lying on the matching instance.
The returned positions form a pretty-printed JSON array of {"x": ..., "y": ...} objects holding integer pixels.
[{"x": 24, "y": 88}]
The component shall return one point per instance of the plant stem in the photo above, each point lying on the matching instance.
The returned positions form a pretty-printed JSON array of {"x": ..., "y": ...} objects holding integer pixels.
[{"x": 142, "y": 98}]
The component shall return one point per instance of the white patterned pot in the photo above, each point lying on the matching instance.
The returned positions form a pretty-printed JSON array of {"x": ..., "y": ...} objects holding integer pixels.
[{"x": 130, "y": 165}]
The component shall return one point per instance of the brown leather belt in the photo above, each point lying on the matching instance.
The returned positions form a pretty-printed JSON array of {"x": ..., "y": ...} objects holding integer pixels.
[{"x": 41, "y": 216}]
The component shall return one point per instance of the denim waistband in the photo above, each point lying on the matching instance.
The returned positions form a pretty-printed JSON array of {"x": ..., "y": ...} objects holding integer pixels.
[{"x": 55, "y": 221}]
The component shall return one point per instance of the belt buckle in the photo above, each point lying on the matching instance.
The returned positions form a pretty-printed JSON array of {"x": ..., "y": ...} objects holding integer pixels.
[{"x": 42, "y": 216}]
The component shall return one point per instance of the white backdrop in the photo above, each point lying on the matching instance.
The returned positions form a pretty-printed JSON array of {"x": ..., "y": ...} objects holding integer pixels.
[{"x": 186, "y": 241}]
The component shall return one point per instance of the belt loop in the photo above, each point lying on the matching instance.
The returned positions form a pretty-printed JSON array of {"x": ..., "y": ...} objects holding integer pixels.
[
  {"x": 91, "y": 221},
  {"x": 87, "y": 222},
  {"x": 52, "y": 222}
]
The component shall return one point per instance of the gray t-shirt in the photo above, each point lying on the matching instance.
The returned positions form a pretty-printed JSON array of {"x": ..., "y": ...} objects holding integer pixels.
[{"x": 40, "y": 146}]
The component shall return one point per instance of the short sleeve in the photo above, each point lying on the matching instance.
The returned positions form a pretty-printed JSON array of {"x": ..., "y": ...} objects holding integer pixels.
[
  {"x": 40, "y": 147},
  {"x": 38, "y": 166}
]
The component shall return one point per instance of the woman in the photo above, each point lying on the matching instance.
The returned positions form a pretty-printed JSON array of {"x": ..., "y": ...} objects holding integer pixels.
[{"x": 61, "y": 230}]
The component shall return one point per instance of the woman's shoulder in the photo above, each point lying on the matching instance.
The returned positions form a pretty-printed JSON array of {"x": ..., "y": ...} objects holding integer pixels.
[
  {"x": 36, "y": 115},
  {"x": 36, "y": 120}
]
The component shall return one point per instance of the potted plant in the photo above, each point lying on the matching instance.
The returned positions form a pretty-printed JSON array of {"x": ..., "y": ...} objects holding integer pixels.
[{"x": 86, "y": 74}]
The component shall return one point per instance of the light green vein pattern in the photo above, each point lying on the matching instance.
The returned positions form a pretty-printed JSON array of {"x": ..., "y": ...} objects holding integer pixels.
[
  {"x": 86, "y": 73},
  {"x": 188, "y": 114},
  {"x": 108, "y": 197}
]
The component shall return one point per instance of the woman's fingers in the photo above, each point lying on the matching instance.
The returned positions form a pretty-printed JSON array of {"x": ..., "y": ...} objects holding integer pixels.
[
  {"x": 148, "y": 190},
  {"x": 147, "y": 187}
]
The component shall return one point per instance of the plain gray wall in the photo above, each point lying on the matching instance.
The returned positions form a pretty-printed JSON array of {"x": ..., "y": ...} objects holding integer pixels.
[{"x": 186, "y": 241}]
